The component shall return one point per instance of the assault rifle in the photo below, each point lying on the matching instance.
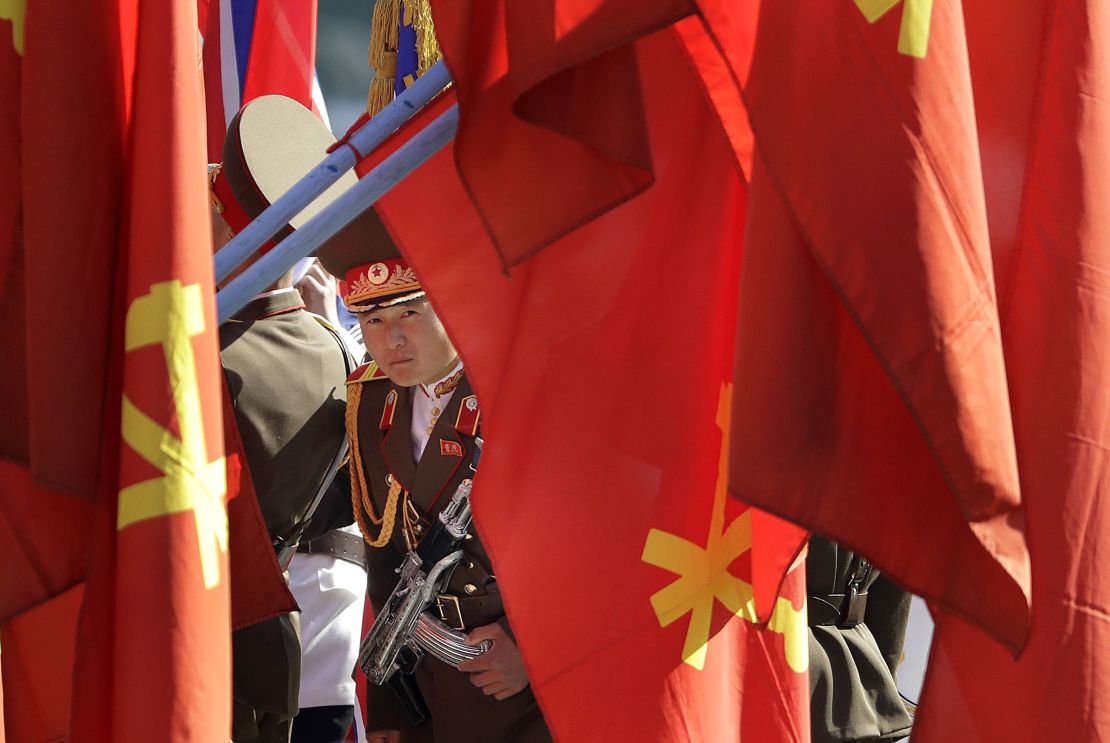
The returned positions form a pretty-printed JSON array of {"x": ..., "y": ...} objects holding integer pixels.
[{"x": 405, "y": 628}]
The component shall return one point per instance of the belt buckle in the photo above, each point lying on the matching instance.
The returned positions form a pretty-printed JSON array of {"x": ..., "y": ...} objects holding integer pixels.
[{"x": 445, "y": 603}]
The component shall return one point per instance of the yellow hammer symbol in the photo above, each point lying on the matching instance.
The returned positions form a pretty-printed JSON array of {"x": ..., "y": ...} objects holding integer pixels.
[
  {"x": 170, "y": 316},
  {"x": 704, "y": 578},
  {"x": 913, "y": 38},
  {"x": 16, "y": 12}
]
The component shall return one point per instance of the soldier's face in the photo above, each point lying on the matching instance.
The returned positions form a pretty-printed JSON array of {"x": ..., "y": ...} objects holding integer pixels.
[{"x": 409, "y": 342}]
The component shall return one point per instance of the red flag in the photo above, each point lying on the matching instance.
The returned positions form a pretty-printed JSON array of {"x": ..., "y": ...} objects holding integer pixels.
[
  {"x": 603, "y": 365},
  {"x": 60, "y": 177},
  {"x": 1042, "y": 84},
  {"x": 38, "y": 651},
  {"x": 153, "y": 643},
  {"x": 870, "y": 385},
  {"x": 61, "y": 154},
  {"x": 254, "y": 48},
  {"x": 535, "y": 76}
]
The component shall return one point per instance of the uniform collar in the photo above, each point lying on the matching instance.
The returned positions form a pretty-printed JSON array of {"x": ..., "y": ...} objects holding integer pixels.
[
  {"x": 445, "y": 386},
  {"x": 275, "y": 302}
]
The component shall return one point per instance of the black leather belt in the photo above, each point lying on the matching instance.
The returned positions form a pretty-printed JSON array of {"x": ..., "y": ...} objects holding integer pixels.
[
  {"x": 467, "y": 612},
  {"x": 844, "y": 610},
  {"x": 340, "y": 544}
]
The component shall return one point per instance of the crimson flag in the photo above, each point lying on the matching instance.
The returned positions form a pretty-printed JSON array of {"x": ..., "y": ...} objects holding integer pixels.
[
  {"x": 1041, "y": 87},
  {"x": 56, "y": 283},
  {"x": 871, "y": 388},
  {"x": 38, "y": 652},
  {"x": 110, "y": 247},
  {"x": 157, "y": 601},
  {"x": 254, "y": 48},
  {"x": 603, "y": 365}
]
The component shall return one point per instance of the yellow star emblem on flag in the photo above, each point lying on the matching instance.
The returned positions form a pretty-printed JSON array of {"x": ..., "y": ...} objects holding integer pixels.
[
  {"x": 16, "y": 12},
  {"x": 917, "y": 15},
  {"x": 704, "y": 577}
]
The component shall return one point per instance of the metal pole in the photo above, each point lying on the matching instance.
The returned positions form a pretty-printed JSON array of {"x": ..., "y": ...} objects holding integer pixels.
[
  {"x": 303, "y": 192},
  {"x": 354, "y": 201}
]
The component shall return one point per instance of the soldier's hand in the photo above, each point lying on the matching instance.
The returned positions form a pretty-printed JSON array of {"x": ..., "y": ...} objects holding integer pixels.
[
  {"x": 383, "y": 736},
  {"x": 499, "y": 671},
  {"x": 317, "y": 288}
]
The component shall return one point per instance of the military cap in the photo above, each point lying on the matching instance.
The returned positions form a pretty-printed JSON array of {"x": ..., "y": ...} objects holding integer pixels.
[
  {"x": 372, "y": 271},
  {"x": 271, "y": 144}
]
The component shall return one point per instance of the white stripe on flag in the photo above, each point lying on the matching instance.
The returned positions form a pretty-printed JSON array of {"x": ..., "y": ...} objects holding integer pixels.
[
  {"x": 229, "y": 65},
  {"x": 318, "y": 100}
]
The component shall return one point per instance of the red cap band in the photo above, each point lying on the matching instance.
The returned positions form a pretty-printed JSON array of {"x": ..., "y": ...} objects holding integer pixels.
[{"x": 379, "y": 281}]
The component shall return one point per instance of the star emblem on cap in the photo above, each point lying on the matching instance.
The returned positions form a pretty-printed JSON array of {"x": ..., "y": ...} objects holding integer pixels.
[{"x": 378, "y": 274}]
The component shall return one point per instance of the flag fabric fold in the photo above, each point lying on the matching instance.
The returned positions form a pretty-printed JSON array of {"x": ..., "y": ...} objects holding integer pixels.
[
  {"x": 52, "y": 384},
  {"x": 555, "y": 81},
  {"x": 871, "y": 386},
  {"x": 1042, "y": 87}
]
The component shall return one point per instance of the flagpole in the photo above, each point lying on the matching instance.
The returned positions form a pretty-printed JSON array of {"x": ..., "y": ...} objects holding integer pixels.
[
  {"x": 363, "y": 140},
  {"x": 353, "y": 202}
]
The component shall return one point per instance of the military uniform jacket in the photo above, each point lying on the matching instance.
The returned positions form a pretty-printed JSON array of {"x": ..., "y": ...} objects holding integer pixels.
[
  {"x": 853, "y": 692},
  {"x": 459, "y": 710},
  {"x": 285, "y": 374}
]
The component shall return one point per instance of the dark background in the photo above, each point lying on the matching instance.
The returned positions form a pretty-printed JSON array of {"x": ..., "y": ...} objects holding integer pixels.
[{"x": 342, "y": 36}]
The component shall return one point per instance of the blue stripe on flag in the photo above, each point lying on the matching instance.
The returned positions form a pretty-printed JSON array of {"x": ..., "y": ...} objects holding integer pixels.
[
  {"x": 406, "y": 54},
  {"x": 242, "y": 22}
]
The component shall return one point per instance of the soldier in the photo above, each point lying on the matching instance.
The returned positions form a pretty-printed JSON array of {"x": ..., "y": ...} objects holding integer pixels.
[
  {"x": 285, "y": 371},
  {"x": 857, "y": 620},
  {"x": 412, "y": 418},
  {"x": 328, "y": 579}
]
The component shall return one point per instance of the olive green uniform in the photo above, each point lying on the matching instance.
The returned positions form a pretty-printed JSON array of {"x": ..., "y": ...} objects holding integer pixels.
[
  {"x": 854, "y": 649},
  {"x": 285, "y": 373}
]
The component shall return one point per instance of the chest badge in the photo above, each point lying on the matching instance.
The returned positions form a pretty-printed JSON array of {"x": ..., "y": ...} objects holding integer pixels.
[{"x": 450, "y": 448}]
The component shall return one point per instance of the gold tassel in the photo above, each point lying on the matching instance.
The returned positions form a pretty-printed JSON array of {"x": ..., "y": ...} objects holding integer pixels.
[
  {"x": 427, "y": 46},
  {"x": 382, "y": 54}
]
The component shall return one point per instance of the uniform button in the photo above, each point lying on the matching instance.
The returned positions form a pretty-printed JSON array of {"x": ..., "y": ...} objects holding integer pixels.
[
  {"x": 470, "y": 589},
  {"x": 418, "y": 529},
  {"x": 429, "y": 429},
  {"x": 469, "y": 565},
  {"x": 436, "y": 411}
]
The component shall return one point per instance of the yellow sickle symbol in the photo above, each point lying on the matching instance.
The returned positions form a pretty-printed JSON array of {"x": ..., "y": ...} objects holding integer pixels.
[
  {"x": 170, "y": 316},
  {"x": 704, "y": 576},
  {"x": 16, "y": 12},
  {"x": 913, "y": 38}
]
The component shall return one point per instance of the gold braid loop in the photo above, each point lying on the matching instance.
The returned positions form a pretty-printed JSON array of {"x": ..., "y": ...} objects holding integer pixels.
[
  {"x": 361, "y": 495},
  {"x": 389, "y": 515}
]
